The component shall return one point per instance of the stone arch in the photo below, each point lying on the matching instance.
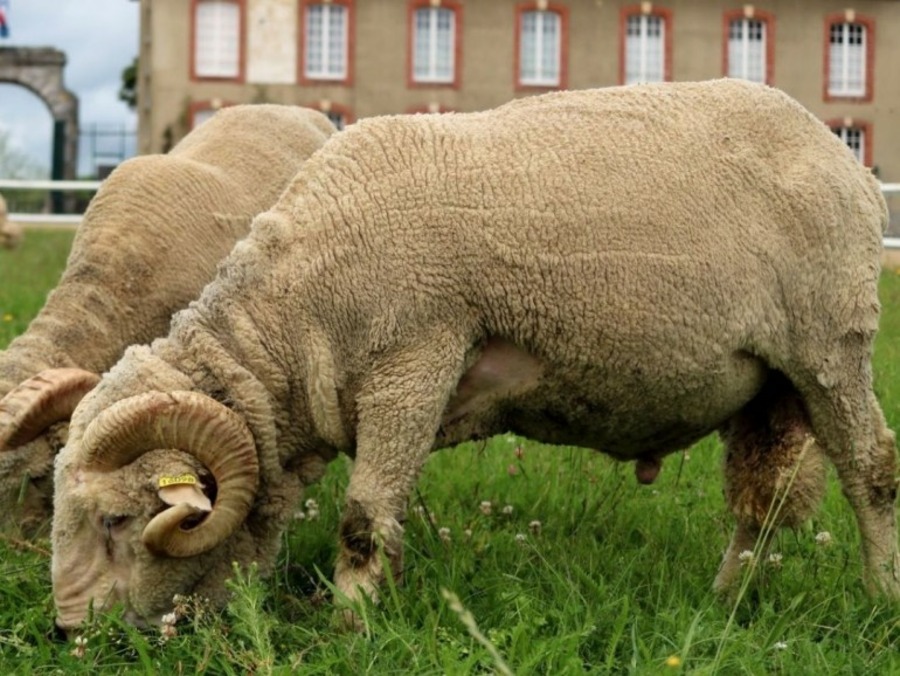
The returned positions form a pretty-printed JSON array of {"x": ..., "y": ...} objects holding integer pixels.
[{"x": 40, "y": 69}]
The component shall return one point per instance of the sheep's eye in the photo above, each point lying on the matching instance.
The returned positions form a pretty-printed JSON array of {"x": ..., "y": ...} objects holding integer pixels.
[{"x": 112, "y": 523}]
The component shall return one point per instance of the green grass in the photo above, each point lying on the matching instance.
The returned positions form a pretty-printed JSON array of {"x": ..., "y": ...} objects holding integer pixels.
[{"x": 617, "y": 580}]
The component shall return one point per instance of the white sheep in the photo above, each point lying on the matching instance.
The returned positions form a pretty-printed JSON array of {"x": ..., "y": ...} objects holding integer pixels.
[
  {"x": 10, "y": 233},
  {"x": 626, "y": 269},
  {"x": 150, "y": 241}
]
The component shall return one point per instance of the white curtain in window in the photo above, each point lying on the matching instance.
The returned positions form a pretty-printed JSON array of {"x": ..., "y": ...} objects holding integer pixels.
[
  {"x": 326, "y": 42},
  {"x": 855, "y": 139},
  {"x": 847, "y": 60},
  {"x": 644, "y": 49},
  {"x": 433, "y": 45},
  {"x": 747, "y": 49},
  {"x": 540, "y": 48},
  {"x": 217, "y": 40},
  {"x": 202, "y": 115}
]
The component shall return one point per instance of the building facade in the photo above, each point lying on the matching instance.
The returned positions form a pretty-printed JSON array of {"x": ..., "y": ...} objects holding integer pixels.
[{"x": 357, "y": 58}]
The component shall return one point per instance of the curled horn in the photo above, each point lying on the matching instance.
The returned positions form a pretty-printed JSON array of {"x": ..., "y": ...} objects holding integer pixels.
[
  {"x": 195, "y": 424},
  {"x": 39, "y": 402}
]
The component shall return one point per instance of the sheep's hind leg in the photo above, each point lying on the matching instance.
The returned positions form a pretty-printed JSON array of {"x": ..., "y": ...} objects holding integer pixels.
[
  {"x": 774, "y": 473},
  {"x": 849, "y": 423},
  {"x": 400, "y": 410}
]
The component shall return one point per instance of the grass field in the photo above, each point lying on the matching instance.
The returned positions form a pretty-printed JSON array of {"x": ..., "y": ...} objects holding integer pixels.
[{"x": 575, "y": 569}]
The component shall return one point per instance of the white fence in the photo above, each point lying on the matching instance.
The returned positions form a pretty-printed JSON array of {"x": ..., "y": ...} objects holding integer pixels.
[{"x": 75, "y": 219}]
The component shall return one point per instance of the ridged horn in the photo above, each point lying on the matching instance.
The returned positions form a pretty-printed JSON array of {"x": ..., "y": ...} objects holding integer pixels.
[
  {"x": 39, "y": 402},
  {"x": 195, "y": 424}
]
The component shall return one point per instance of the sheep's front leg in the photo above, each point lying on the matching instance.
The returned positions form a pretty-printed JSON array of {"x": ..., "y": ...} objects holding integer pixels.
[{"x": 400, "y": 409}]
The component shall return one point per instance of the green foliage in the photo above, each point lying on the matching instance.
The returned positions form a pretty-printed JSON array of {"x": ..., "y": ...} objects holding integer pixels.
[
  {"x": 615, "y": 580},
  {"x": 128, "y": 91}
]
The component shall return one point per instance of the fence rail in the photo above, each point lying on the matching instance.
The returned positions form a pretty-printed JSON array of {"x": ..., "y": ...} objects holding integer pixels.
[{"x": 75, "y": 219}]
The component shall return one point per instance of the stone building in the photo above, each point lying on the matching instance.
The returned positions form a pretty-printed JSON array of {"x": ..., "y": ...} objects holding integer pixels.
[{"x": 355, "y": 58}]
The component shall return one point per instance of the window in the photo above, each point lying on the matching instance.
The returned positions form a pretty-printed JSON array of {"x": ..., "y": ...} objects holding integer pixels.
[
  {"x": 217, "y": 39},
  {"x": 434, "y": 43},
  {"x": 857, "y": 135},
  {"x": 326, "y": 36},
  {"x": 339, "y": 115},
  {"x": 200, "y": 116},
  {"x": 747, "y": 57},
  {"x": 201, "y": 111},
  {"x": 849, "y": 56},
  {"x": 339, "y": 120},
  {"x": 646, "y": 44},
  {"x": 540, "y": 52}
]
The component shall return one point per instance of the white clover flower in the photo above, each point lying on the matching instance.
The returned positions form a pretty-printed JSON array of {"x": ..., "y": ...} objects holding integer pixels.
[
  {"x": 520, "y": 538},
  {"x": 467, "y": 533},
  {"x": 745, "y": 557},
  {"x": 418, "y": 510},
  {"x": 444, "y": 534},
  {"x": 823, "y": 539},
  {"x": 299, "y": 515},
  {"x": 168, "y": 631},
  {"x": 312, "y": 514},
  {"x": 485, "y": 507},
  {"x": 507, "y": 509},
  {"x": 535, "y": 527},
  {"x": 80, "y": 647},
  {"x": 781, "y": 645},
  {"x": 169, "y": 618},
  {"x": 774, "y": 560},
  {"x": 311, "y": 504}
]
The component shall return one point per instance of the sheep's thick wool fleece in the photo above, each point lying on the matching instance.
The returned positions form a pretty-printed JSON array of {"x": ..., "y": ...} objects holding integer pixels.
[
  {"x": 154, "y": 233},
  {"x": 150, "y": 241},
  {"x": 660, "y": 225}
]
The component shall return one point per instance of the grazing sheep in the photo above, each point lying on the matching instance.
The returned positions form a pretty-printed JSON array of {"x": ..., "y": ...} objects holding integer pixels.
[
  {"x": 10, "y": 233},
  {"x": 626, "y": 269},
  {"x": 150, "y": 241}
]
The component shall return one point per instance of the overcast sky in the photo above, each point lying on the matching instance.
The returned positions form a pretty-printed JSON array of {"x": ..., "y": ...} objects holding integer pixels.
[{"x": 100, "y": 38}]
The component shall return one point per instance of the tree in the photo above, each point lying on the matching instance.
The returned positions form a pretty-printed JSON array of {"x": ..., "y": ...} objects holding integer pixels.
[{"x": 128, "y": 90}]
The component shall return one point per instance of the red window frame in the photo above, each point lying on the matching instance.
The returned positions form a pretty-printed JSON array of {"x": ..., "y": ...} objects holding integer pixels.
[
  {"x": 242, "y": 45},
  {"x": 757, "y": 15},
  {"x": 636, "y": 10},
  {"x": 457, "y": 10},
  {"x": 208, "y": 104},
  {"x": 332, "y": 107},
  {"x": 869, "y": 23},
  {"x": 301, "y": 42},
  {"x": 866, "y": 127},
  {"x": 563, "y": 13}
]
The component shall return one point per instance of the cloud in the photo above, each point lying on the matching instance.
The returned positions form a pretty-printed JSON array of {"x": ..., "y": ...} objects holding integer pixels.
[{"x": 99, "y": 37}]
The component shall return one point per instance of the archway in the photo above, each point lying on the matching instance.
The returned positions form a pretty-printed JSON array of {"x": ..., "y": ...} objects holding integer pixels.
[{"x": 40, "y": 69}]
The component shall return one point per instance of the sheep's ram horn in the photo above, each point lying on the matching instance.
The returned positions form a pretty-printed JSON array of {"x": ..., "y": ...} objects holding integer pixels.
[
  {"x": 47, "y": 398},
  {"x": 193, "y": 423}
]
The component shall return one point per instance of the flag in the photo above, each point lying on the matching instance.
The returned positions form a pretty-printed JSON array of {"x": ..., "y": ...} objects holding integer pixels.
[{"x": 4, "y": 20}]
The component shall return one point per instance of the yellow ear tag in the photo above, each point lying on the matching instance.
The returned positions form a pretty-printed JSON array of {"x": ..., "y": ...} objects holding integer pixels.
[
  {"x": 180, "y": 480},
  {"x": 184, "y": 488}
]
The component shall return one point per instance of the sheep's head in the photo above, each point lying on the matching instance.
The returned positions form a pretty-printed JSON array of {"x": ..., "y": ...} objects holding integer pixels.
[
  {"x": 151, "y": 501},
  {"x": 33, "y": 427}
]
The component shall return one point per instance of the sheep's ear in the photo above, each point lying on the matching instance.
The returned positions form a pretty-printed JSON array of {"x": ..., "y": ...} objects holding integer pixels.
[{"x": 183, "y": 489}]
